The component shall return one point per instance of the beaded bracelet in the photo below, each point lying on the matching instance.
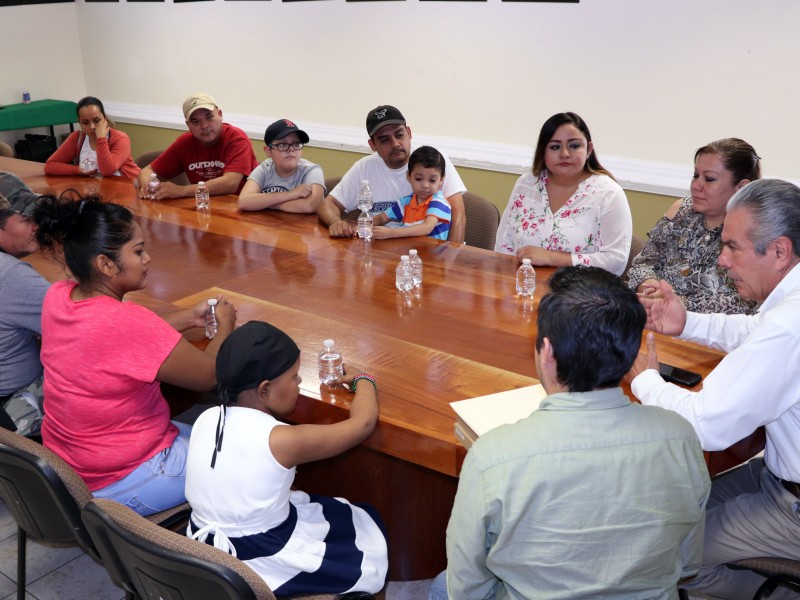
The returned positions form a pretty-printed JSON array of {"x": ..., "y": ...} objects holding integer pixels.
[{"x": 366, "y": 376}]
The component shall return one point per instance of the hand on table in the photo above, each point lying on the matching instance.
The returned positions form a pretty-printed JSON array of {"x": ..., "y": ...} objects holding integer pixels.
[{"x": 342, "y": 229}]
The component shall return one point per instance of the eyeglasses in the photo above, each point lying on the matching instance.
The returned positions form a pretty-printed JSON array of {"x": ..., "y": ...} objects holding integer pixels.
[{"x": 284, "y": 147}]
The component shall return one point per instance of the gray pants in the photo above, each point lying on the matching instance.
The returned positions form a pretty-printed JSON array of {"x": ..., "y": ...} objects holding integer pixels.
[{"x": 749, "y": 514}]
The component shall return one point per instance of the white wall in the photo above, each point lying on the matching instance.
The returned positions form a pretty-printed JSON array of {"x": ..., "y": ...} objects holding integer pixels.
[
  {"x": 653, "y": 79},
  {"x": 40, "y": 51}
]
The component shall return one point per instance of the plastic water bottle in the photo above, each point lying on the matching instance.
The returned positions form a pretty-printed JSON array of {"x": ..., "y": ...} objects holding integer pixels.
[
  {"x": 526, "y": 279},
  {"x": 331, "y": 366},
  {"x": 403, "y": 279},
  {"x": 211, "y": 319},
  {"x": 365, "y": 196},
  {"x": 201, "y": 197},
  {"x": 88, "y": 165},
  {"x": 416, "y": 267},
  {"x": 365, "y": 225},
  {"x": 152, "y": 185}
]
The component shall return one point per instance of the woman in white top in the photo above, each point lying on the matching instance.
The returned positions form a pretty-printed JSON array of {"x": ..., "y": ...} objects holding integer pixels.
[{"x": 567, "y": 210}]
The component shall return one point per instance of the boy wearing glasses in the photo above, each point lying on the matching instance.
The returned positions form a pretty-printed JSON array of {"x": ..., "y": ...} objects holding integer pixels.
[{"x": 285, "y": 181}]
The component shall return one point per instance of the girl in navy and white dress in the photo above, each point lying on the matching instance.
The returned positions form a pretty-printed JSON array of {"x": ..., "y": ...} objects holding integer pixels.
[{"x": 241, "y": 466}]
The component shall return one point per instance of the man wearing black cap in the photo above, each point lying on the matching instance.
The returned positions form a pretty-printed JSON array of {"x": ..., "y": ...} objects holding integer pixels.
[
  {"x": 22, "y": 291},
  {"x": 390, "y": 139},
  {"x": 285, "y": 181}
]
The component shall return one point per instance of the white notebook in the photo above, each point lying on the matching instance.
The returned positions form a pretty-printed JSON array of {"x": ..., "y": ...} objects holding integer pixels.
[{"x": 476, "y": 416}]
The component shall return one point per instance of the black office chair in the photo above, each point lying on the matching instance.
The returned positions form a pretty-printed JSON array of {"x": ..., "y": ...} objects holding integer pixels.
[
  {"x": 778, "y": 571},
  {"x": 45, "y": 496},
  {"x": 153, "y": 562}
]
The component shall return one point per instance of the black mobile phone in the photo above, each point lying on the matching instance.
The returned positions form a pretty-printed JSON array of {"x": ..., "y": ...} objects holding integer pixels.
[{"x": 679, "y": 376}]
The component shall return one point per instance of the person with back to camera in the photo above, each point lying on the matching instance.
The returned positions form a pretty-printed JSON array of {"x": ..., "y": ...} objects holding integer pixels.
[
  {"x": 241, "y": 466},
  {"x": 104, "y": 359},
  {"x": 592, "y": 495},
  {"x": 285, "y": 181},
  {"x": 567, "y": 210},
  {"x": 98, "y": 146},
  {"x": 426, "y": 211},
  {"x": 684, "y": 245}
]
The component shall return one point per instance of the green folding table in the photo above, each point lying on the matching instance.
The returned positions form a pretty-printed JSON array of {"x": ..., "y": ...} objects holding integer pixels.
[{"x": 39, "y": 113}]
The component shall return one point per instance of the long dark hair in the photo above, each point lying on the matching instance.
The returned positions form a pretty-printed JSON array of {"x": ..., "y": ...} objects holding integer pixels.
[
  {"x": 549, "y": 130},
  {"x": 92, "y": 101},
  {"x": 84, "y": 228}
]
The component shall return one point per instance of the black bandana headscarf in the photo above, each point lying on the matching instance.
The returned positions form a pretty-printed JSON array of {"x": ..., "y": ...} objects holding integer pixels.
[{"x": 253, "y": 353}]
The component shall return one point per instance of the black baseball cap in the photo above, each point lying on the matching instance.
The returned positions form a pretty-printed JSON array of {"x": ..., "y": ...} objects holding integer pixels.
[
  {"x": 383, "y": 115},
  {"x": 281, "y": 128}
]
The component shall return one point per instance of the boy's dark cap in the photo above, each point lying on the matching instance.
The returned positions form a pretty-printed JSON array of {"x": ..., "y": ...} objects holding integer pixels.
[
  {"x": 281, "y": 128},
  {"x": 383, "y": 115}
]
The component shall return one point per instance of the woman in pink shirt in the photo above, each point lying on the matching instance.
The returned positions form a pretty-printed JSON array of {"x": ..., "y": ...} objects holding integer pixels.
[{"x": 104, "y": 359}]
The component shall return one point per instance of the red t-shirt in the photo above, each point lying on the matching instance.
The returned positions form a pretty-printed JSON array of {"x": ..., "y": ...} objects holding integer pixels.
[
  {"x": 232, "y": 153},
  {"x": 104, "y": 412}
]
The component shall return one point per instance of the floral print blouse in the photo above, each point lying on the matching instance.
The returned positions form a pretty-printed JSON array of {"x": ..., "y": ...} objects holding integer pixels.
[
  {"x": 594, "y": 225},
  {"x": 684, "y": 252}
]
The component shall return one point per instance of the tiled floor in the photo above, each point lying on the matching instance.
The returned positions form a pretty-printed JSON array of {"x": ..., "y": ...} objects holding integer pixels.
[
  {"x": 69, "y": 574},
  {"x": 53, "y": 573}
]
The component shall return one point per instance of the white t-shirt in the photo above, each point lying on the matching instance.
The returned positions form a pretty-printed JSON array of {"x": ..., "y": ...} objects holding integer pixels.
[{"x": 388, "y": 185}]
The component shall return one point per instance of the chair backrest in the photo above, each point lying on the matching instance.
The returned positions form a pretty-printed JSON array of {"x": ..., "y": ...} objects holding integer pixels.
[
  {"x": 145, "y": 158},
  {"x": 483, "y": 219},
  {"x": 6, "y": 150},
  {"x": 330, "y": 183},
  {"x": 637, "y": 245},
  {"x": 154, "y": 562},
  {"x": 43, "y": 493}
]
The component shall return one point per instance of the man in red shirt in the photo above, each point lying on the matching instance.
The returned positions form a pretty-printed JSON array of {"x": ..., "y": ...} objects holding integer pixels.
[{"x": 217, "y": 153}]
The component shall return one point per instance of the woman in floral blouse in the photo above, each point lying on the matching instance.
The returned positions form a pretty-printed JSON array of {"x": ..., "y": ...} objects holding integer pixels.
[
  {"x": 684, "y": 245},
  {"x": 568, "y": 210}
]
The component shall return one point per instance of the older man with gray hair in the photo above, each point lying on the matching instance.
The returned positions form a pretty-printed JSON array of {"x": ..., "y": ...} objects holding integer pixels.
[{"x": 754, "y": 510}]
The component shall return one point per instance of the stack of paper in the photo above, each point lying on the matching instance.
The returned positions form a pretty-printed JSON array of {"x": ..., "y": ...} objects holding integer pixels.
[{"x": 476, "y": 416}]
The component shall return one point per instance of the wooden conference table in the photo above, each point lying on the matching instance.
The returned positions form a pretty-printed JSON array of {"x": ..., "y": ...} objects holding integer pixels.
[{"x": 465, "y": 334}]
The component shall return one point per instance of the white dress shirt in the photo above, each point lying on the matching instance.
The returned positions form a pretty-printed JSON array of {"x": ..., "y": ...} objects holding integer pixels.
[{"x": 756, "y": 384}]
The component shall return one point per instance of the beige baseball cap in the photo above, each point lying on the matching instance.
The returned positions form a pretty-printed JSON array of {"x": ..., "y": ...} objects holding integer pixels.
[{"x": 195, "y": 101}]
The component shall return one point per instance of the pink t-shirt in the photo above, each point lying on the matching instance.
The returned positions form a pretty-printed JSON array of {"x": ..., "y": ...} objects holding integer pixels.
[
  {"x": 232, "y": 152},
  {"x": 104, "y": 412}
]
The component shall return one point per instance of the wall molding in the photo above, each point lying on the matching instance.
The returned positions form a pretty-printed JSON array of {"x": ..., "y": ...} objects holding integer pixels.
[{"x": 632, "y": 174}]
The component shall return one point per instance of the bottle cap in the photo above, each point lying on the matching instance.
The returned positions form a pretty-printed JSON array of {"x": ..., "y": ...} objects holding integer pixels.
[
  {"x": 526, "y": 261},
  {"x": 404, "y": 258},
  {"x": 412, "y": 252},
  {"x": 328, "y": 343},
  {"x": 365, "y": 182},
  {"x": 212, "y": 301}
]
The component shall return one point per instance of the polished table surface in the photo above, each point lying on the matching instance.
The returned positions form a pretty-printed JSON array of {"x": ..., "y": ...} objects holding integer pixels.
[{"x": 464, "y": 334}]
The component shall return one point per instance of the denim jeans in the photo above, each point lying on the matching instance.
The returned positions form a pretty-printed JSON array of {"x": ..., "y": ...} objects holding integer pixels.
[
  {"x": 438, "y": 589},
  {"x": 158, "y": 483}
]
